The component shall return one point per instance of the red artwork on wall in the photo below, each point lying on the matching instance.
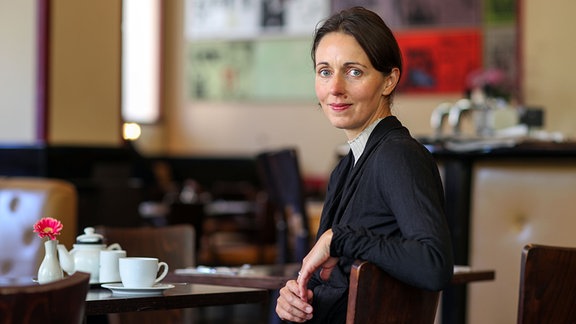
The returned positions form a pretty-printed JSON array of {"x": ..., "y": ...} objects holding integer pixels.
[{"x": 439, "y": 61}]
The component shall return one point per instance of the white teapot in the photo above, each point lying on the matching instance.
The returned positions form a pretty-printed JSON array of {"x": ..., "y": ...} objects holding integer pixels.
[{"x": 85, "y": 254}]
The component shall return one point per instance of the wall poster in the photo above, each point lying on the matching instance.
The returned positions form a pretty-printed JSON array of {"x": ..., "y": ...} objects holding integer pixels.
[
  {"x": 439, "y": 60},
  {"x": 251, "y": 49},
  {"x": 234, "y": 19},
  {"x": 259, "y": 49}
]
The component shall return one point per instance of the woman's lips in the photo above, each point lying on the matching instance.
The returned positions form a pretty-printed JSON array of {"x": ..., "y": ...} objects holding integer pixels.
[{"x": 340, "y": 106}]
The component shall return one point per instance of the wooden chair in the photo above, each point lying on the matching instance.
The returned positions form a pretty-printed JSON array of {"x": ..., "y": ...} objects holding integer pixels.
[
  {"x": 23, "y": 201},
  {"x": 233, "y": 236},
  {"x": 377, "y": 298},
  {"x": 61, "y": 301},
  {"x": 547, "y": 285},
  {"x": 282, "y": 179},
  {"x": 171, "y": 244}
]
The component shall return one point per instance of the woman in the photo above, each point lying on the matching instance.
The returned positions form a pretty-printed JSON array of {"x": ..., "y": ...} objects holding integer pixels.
[{"x": 384, "y": 202}]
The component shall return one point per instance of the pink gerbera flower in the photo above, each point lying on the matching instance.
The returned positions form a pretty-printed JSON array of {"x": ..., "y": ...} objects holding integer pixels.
[{"x": 48, "y": 227}]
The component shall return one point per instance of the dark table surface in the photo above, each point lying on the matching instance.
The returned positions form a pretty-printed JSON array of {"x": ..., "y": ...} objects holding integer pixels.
[
  {"x": 224, "y": 286},
  {"x": 275, "y": 276},
  {"x": 183, "y": 295}
]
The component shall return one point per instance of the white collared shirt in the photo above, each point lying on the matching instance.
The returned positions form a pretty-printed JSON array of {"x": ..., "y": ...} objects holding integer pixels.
[{"x": 358, "y": 144}]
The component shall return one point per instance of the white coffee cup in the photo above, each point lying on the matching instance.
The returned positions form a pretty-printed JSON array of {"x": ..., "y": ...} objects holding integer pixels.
[
  {"x": 109, "y": 268},
  {"x": 141, "y": 272}
]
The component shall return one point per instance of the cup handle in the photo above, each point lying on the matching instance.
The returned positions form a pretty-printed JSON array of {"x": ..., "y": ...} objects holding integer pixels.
[
  {"x": 164, "y": 273},
  {"x": 114, "y": 246}
]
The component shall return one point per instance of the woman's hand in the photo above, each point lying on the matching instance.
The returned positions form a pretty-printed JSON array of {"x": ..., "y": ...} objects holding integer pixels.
[
  {"x": 290, "y": 306},
  {"x": 318, "y": 257}
]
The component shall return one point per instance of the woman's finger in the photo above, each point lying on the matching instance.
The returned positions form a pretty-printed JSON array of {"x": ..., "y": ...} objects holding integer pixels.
[{"x": 290, "y": 306}]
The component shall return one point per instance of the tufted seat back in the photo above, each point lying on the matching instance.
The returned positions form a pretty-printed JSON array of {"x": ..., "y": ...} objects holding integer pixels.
[
  {"x": 22, "y": 202},
  {"x": 515, "y": 203}
]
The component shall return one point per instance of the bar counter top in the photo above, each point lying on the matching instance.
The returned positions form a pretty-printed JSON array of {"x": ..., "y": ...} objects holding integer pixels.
[{"x": 499, "y": 148}]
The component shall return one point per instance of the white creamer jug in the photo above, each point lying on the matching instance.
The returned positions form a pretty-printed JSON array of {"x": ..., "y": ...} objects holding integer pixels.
[{"x": 85, "y": 254}]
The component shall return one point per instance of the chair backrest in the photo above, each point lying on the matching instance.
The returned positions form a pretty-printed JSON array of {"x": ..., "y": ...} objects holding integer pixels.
[
  {"x": 377, "y": 298},
  {"x": 172, "y": 244},
  {"x": 281, "y": 177},
  {"x": 61, "y": 301},
  {"x": 547, "y": 285},
  {"x": 23, "y": 201}
]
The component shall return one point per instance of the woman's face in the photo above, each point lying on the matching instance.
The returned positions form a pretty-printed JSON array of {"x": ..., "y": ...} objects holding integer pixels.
[{"x": 352, "y": 93}]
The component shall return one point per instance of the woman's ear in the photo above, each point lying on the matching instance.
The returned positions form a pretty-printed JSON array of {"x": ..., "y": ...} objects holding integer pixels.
[{"x": 391, "y": 81}]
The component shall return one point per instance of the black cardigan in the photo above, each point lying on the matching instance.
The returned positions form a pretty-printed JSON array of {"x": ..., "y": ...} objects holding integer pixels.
[{"x": 387, "y": 209}]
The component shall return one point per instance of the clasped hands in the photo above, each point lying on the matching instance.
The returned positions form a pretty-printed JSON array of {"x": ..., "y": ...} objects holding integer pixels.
[{"x": 295, "y": 300}]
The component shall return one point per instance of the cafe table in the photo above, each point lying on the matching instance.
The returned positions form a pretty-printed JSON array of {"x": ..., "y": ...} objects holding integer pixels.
[
  {"x": 183, "y": 295},
  {"x": 274, "y": 276},
  {"x": 174, "y": 295}
]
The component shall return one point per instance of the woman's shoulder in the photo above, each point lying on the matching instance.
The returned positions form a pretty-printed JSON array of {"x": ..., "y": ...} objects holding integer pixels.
[
  {"x": 392, "y": 135},
  {"x": 400, "y": 152},
  {"x": 400, "y": 142}
]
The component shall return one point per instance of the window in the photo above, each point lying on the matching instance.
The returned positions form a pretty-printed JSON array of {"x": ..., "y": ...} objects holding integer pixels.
[{"x": 141, "y": 26}]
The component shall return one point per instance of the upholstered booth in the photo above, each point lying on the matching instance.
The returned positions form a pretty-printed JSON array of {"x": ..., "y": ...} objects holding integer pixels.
[
  {"x": 515, "y": 202},
  {"x": 22, "y": 202}
]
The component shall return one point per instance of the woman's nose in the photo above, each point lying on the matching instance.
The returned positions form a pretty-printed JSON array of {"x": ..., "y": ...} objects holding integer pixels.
[{"x": 337, "y": 85}]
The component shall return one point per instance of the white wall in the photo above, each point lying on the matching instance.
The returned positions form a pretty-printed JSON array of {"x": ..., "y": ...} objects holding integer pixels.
[
  {"x": 549, "y": 66},
  {"x": 84, "y": 77},
  {"x": 85, "y": 82},
  {"x": 244, "y": 128},
  {"x": 18, "y": 71}
]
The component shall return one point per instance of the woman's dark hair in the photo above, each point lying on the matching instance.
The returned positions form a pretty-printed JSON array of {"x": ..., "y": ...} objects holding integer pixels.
[{"x": 370, "y": 31}]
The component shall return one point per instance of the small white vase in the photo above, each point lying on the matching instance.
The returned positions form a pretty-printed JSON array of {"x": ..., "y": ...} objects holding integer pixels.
[{"x": 50, "y": 269}]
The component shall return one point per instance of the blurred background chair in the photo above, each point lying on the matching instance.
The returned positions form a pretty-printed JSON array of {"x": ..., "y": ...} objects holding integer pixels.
[
  {"x": 375, "y": 297},
  {"x": 547, "y": 285},
  {"x": 61, "y": 301},
  {"x": 282, "y": 180},
  {"x": 280, "y": 175},
  {"x": 171, "y": 244},
  {"x": 237, "y": 227},
  {"x": 23, "y": 201}
]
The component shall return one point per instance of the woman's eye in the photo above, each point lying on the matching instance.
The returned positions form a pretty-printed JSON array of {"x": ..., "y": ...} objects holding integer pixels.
[
  {"x": 355, "y": 72},
  {"x": 324, "y": 73}
]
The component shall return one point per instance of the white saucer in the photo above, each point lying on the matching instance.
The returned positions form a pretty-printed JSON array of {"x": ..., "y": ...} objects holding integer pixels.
[{"x": 119, "y": 289}]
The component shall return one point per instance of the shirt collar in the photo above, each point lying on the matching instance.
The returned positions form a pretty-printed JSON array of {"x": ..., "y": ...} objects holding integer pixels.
[{"x": 358, "y": 144}]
